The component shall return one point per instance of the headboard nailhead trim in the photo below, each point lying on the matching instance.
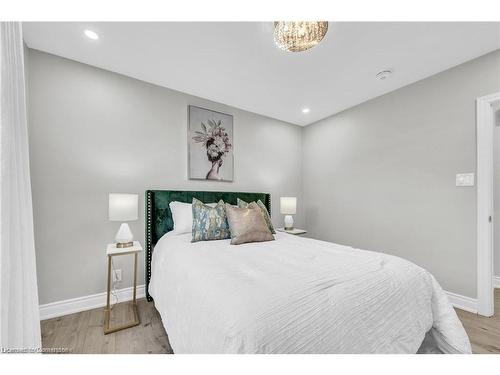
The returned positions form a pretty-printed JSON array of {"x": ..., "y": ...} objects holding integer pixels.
[{"x": 149, "y": 240}]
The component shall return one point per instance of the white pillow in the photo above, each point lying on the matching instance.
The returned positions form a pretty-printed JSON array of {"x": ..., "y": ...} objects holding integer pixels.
[{"x": 182, "y": 215}]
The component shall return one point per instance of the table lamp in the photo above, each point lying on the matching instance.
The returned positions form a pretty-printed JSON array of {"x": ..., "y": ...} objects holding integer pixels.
[
  {"x": 288, "y": 207},
  {"x": 123, "y": 207}
]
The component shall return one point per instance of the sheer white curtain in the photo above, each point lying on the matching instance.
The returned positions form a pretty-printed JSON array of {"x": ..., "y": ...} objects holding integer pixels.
[{"x": 19, "y": 312}]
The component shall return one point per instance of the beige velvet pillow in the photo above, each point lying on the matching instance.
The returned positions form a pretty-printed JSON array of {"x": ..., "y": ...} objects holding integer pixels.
[
  {"x": 263, "y": 208},
  {"x": 247, "y": 224}
]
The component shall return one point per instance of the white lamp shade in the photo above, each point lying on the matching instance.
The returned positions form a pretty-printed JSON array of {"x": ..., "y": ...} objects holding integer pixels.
[
  {"x": 123, "y": 207},
  {"x": 288, "y": 205}
]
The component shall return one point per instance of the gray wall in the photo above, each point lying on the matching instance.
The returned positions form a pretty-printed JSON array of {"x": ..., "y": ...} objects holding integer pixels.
[
  {"x": 378, "y": 176},
  {"x": 381, "y": 175},
  {"x": 93, "y": 132}
]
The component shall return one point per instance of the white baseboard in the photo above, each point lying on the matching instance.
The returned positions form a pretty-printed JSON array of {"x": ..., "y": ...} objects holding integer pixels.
[
  {"x": 462, "y": 302},
  {"x": 467, "y": 303},
  {"x": 74, "y": 305},
  {"x": 496, "y": 282}
]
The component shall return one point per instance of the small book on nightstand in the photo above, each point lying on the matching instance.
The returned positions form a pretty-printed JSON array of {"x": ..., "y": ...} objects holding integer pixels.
[{"x": 295, "y": 231}]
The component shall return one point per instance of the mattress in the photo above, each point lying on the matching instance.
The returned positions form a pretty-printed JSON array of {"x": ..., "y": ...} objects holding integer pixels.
[{"x": 298, "y": 295}]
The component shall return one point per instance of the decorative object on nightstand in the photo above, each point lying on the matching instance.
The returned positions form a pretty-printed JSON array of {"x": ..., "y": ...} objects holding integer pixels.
[
  {"x": 288, "y": 207},
  {"x": 112, "y": 251},
  {"x": 123, "y": 207},
  {"x": 295, "y": 231}
]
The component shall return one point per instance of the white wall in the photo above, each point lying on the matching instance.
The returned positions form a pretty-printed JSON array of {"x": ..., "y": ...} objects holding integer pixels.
[
  {"x": 381, "y": 175},
  {"x": 93, "y": 132}
]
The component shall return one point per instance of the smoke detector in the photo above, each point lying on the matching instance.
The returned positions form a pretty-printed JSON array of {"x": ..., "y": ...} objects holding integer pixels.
[{"x": 384, "y": 74}]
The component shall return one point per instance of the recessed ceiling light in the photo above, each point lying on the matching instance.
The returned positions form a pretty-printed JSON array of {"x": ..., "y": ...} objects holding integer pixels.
[
  {"x": 384, "y": 74},
  {"x": 305, "y": 110},
  {"x": 91, "y": 34}
]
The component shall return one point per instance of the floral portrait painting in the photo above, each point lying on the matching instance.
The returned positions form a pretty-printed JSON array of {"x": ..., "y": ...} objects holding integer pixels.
[{"x": 210, "y": 145}]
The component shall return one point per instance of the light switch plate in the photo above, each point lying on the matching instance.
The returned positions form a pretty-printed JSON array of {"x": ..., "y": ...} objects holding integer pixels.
[{"x": 464, "y": 179}]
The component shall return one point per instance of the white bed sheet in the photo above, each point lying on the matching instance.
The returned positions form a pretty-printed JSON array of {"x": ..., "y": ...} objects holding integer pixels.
[{"x": 298, "y": 295}]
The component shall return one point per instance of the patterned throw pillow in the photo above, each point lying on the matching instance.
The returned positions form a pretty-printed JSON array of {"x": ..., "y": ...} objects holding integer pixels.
[
  {"x": 209, "y": 223},
  {"x": 263, "y": 209}
]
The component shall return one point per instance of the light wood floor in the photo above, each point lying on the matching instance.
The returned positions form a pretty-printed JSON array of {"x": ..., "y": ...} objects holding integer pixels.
[
  {"x": 484, "y": 333},
  {"x": 82, "y": 332}
]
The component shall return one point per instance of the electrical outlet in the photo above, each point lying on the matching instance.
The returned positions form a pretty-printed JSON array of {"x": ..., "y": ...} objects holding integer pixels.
[{"x": 117, "y": 276}]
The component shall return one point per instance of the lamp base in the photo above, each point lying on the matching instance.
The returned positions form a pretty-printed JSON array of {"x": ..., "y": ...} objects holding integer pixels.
[
  {"x": 124, "y": 237},
  {"x": 121, "y": 245},
  {"x": 288, "y": 222}
]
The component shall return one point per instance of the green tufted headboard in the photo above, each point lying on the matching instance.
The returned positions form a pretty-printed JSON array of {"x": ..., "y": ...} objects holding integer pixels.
[{"x": 159, "y": 217}]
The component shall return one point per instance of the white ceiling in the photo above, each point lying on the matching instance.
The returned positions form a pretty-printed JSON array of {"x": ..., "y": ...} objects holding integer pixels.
[{"x": 238, "y": 64}]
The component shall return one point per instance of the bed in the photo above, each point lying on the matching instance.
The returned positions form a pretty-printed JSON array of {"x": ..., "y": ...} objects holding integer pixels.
[{"x": 291, "y": 295}]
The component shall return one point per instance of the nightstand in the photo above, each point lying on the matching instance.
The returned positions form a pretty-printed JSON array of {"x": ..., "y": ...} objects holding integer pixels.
[
  {"x": 295, "y": 231},
  {"x": 111, "y": 252}
]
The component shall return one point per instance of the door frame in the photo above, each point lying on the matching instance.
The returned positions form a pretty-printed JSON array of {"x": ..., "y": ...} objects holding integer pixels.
[{"x": 485, "y": 122}]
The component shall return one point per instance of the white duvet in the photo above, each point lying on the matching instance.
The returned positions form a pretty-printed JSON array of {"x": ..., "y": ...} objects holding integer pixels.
[{"x": 298, "y": 295}]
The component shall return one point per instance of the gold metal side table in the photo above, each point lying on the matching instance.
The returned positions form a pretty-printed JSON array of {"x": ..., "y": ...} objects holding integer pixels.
[{"x": 112, "y": 251}]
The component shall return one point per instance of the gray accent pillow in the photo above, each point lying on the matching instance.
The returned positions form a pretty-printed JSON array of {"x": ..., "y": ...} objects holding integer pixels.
[
  {"x": 265, "y": 213},
  {"x": 209, "y": 223},
  {"x": 247, "y": 224}
]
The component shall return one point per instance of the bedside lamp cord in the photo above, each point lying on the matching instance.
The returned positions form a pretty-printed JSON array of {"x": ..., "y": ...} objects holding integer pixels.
[{"x": 113, "y": 291}]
